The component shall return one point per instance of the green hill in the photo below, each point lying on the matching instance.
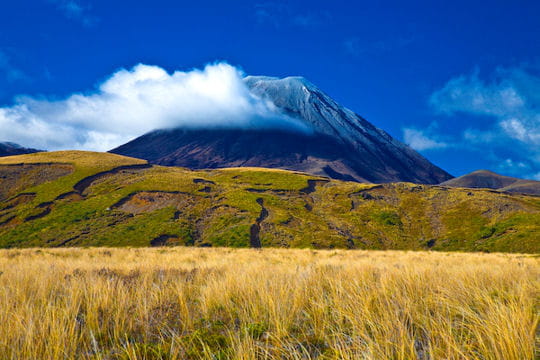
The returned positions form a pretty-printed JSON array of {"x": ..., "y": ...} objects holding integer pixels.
[{"x": 75, "y": 198}]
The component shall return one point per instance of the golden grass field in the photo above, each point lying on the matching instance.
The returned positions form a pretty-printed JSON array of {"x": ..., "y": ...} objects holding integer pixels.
[{"x": 193, "y": 303}]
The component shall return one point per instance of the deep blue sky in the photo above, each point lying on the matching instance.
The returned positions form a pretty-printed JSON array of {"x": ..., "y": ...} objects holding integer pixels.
[{"x": 383, "y": 59}]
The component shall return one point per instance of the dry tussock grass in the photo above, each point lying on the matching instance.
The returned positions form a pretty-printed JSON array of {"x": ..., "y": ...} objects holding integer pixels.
[{"x": 189, "y": 303}]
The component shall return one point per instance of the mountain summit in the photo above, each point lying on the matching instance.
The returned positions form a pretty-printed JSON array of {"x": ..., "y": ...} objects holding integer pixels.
[{"x": 342, "y": 144}]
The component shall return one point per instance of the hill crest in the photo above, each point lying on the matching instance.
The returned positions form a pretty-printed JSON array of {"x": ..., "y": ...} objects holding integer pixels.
[{"x": 490, "y": 180}]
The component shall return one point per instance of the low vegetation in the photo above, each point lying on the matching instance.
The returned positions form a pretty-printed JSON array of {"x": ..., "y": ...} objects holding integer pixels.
[
  {"x": 75, "y": 198},
  {"x": 193, "y": 303}
]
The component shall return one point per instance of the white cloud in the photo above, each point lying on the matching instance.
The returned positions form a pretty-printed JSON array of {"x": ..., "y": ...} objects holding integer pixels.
[
  {"x": 133, "y": 102},
  {"x": 512, "y": 165},
  {"x": 418, "y": 140},
  {"x": 526, "y": 130},
  {"x": 517, "y": 168},
  {"x": 470, "y": 94},
  {"x": 512, "y": 98}
]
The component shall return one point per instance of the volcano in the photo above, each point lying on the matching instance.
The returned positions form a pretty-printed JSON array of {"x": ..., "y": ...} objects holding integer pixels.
[{"x": 341, "y": 145}]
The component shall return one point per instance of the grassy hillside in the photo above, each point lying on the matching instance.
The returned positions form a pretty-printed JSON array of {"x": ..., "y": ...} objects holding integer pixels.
[
  {"x": 190, "y": 303},
  {"x": 81, "y": 199}
]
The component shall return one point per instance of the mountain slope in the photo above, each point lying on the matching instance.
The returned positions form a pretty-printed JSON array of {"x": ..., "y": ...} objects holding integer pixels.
[
  {"x": 342, "y": 145},
  {"x": 111, "y": 200},
  {"x": 9, "y": 149},
  {"x": 490, "y": 180}
]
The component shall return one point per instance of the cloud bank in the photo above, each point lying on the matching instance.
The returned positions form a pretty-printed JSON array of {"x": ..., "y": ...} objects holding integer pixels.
[
  {"x": 512, "y": 98},
  {"x": 136, "y": 101},
  {"x": 508, "y": 103}
]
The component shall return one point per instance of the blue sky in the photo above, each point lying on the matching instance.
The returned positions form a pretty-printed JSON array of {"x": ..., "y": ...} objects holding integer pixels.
[{"x": 457, "y": 80}]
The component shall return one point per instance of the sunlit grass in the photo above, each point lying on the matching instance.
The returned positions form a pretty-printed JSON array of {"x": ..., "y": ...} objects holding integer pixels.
[{"x": 190, "y": 303}]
